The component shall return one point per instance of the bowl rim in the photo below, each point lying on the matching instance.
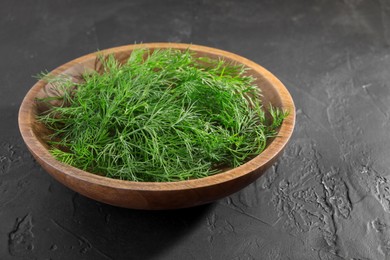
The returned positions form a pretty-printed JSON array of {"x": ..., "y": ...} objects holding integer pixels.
[{"x": 25, "y": 120}]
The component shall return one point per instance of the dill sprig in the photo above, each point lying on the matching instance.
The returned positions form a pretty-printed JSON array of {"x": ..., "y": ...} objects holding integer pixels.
[{"x": 163, "y": 115}]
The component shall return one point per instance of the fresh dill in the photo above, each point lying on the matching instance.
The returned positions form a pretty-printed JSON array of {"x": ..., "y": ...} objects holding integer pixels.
[{"x": 162, "y": 115}]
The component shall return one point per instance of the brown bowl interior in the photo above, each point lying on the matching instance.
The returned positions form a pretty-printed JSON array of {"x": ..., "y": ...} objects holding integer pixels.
[{"x": 148, "y": 195}]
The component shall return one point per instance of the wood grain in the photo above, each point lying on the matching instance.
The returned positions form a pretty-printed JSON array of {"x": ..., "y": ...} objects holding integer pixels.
[{"x": 148, "y": 195}]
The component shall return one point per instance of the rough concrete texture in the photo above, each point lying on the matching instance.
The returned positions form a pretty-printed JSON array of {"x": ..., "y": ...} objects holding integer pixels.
[{"x": 327, "y": 198}]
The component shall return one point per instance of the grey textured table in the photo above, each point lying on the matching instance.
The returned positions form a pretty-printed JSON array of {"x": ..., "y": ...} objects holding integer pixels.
[{"x": 328, "y": 197}]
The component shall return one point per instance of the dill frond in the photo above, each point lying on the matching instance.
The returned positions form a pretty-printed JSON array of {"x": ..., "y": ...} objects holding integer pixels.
[{"x": 165, "y": 115}]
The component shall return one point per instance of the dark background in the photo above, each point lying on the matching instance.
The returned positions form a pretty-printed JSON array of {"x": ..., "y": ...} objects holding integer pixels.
[{"x": 328, "y": 197}]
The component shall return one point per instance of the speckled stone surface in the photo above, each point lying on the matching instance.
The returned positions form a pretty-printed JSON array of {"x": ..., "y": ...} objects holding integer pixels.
[{"x": 327, "y": 198}]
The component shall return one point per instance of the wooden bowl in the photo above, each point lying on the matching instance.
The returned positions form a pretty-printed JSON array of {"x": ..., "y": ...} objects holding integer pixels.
[{"x": 156, "y": 195}]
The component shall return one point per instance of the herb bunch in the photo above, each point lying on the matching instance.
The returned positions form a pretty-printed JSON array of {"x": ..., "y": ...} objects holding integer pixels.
[{"x": 163, "y": 115}]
